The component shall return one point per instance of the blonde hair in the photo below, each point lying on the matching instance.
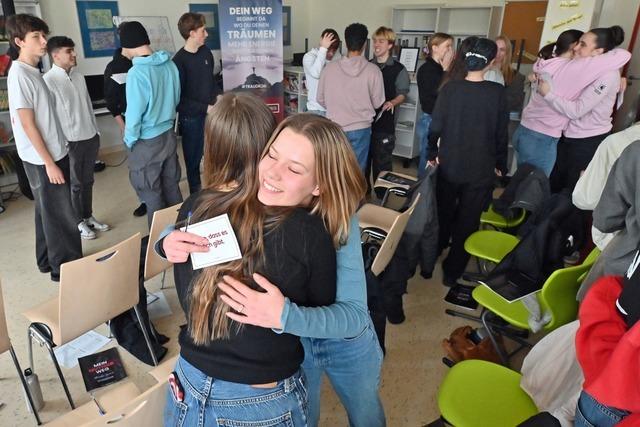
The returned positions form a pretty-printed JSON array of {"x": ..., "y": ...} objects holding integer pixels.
[
  {"x": 236, "y": 131},
  {"x": 341, "y": 182},
  {"x": 507, "y": 71},
  {"x": 437, "y": 39},
  {"x": 386, "y": 33}
]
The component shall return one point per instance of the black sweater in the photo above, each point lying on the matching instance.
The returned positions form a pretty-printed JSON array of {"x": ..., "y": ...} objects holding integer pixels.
[
  {"x": 115, "y": 94},
  {"x": 301, "y": 261},
  {"x": 429, "y": 78},
  {"x": 198, "y": 88},
  {"x": 471, "y": 119}
]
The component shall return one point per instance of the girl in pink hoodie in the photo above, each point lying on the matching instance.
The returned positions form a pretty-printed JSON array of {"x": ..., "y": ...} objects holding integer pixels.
[
  {"x": 590, "y": 113},
  {"x": 535, "y": 140}
]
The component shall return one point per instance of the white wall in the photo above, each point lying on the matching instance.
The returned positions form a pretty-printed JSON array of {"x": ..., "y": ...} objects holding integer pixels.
[
  {"x": 620, "y": 12},
  {"x": 62, "y": 17}
]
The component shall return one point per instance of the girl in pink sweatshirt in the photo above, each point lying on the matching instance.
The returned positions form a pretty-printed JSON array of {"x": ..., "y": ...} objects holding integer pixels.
[
  {"x": 535, "y": 140},
  {"x": 590, "y": 113}
]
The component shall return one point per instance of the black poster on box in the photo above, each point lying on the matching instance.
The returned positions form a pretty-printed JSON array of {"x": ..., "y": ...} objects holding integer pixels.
[{"x": 101, "y": 369}]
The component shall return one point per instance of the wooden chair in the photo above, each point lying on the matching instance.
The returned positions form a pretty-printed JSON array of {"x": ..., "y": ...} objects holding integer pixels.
[
  {"x": 93, "y": 290},
  {"x": 123, "y": 404},
  {"x": 5, "y": 345},
  {"x": 385, "y": 225},
  {"x": 154, "y": 264}
]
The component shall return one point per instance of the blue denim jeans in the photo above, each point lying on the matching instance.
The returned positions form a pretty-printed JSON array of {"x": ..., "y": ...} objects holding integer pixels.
[
  {"x": 192, "y": 129},
  {"x": 423, "y": 136},
  {"x": 591, "y": 413},
  {"x": 535, "y": 148},
  {"x": 210, "y": 402},
  {"x": 360, "y": 140},
  {"x": 353, "y": 366}
]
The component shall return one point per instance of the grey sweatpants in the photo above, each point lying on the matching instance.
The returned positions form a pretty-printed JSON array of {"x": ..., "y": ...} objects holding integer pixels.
[
  {"x": 154, "y": 172},
  {"x": 82, "y": 158},
  {"x": 57, "y": 235}
]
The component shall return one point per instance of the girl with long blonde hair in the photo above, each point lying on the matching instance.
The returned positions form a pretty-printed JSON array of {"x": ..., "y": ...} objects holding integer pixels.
[
  {"x": 340, "y": 339},
  {"x": 244, "y": 374}
]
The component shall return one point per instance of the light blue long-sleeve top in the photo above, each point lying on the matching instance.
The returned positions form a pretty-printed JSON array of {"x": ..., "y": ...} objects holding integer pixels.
[
  {"x": 347, "y": 316},
  {"x": 153, "y": 92}
]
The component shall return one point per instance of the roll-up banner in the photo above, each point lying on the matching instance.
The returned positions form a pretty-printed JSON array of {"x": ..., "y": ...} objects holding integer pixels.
[{"x": 251, "y": 48}]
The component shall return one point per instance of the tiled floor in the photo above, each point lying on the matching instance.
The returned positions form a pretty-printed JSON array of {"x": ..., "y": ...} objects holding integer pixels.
[{"x": 412, "y": 368}]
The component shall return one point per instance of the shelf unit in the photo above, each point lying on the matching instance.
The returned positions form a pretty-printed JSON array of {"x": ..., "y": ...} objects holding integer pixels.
[
  {"x": 6, "y": 143},
  {"x": 295, "y": 90},
  {"x": 413, "y": 24}
]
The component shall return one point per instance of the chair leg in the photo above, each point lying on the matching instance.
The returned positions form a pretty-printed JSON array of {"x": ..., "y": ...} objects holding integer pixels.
[
  {"x": 455, "y": 313},
  {"x": 485, "y": 323},
  {"x": 146, "y": 336},
  {"x": 30, "y": 341},
  {"x": 42, "y": 339},
  {"x": 24, "y": 384},
  {"x": 164, "y": 273}
]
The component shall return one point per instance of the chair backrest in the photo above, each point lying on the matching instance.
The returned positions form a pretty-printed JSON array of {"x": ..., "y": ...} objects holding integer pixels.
[
  {"x": 390, "y": 243},
  {"x": 97, "y": 288},
  {"x": 558, "y": 295},
  {"x": 5, "y": 343},
  {"x": 145, "y": 410},
  {"x": 153, "y": 264}
]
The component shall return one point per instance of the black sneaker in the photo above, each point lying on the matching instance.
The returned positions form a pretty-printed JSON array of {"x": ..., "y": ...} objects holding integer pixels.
[
  {"x": 55, "y": 277},
  {"x": 99, "y": 166},
  {"x": 46, "y": 269},
  {"x": 140, "y": 210}
]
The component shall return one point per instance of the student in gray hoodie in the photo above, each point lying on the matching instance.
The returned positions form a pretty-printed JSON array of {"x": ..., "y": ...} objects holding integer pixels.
[{"x": 351, "y": 90}]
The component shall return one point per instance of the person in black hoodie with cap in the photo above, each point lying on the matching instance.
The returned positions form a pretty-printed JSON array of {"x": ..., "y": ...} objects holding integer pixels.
[{"x": 470, "y": 118}]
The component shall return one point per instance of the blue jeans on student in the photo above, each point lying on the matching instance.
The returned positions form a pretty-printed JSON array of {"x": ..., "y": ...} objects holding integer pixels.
[
  {"x": 423, "y": 136},
  {"x": 353, "y": 366},
  {"x": 535, "y": 148},
  {"x": 192, "y": 129},
  {"x": 211, "y": 402},
  {"x": 360, "y": 140},
  {"x": 591, "y": 413}
]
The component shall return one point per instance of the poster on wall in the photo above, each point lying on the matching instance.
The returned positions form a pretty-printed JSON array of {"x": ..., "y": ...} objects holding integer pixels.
[
  {"x": 565, "y": 15},
  {"x": 251, "y": 47},
  {"x": 210, "y": 13},
  {"x": 99, "y": 35}
]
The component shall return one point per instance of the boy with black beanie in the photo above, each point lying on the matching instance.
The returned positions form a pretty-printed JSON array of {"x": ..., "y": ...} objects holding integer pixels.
[
  {"x": 153, "y": 92},
  {"x": 470, "y": 118}
]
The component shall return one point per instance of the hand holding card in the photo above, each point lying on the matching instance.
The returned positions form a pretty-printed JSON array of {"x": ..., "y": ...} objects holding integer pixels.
[{"x": 223, "y": 244}]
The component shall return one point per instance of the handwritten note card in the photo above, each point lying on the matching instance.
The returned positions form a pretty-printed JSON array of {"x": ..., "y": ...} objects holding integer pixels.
[{"x": 223, "y": 245}]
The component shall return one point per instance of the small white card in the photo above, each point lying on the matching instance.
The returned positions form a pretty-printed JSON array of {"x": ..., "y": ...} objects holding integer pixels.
[
  {"x": 223, "y": 245},
  {"x": 120, "y": 78}
]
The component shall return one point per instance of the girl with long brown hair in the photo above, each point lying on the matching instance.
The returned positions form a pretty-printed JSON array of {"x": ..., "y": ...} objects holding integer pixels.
[{"x": 228, "y": 372}]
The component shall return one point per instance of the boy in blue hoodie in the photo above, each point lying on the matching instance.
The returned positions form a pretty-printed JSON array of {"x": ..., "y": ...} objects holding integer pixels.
[{"x": 153, "y": 92}]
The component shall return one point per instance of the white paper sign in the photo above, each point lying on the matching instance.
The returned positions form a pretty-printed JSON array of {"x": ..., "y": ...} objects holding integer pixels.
[
  {"x": 120, "y": 78},
  {"x": 223, "y": 245}
]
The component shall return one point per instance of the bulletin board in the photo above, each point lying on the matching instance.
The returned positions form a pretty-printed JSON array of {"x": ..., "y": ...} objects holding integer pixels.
[
  {"x": 158, "y": 29},
  {"x": 99, "y": 35}
]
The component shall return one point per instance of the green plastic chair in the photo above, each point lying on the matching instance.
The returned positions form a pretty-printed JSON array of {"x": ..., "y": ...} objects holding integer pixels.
[
  {"x": 490, "y": 245},
  {"x": 557, "y": 297},
  {"x": 476, "y": 393},
  {"x": 493, "y": 219}
]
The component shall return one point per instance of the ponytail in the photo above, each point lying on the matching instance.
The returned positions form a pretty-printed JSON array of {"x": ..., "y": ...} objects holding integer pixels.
[
  {"x": 608, "y": 38},
  {"x": 565, "y": 42}
]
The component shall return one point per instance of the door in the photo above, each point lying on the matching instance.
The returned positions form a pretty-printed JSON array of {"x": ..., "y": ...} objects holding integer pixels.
[
  {"x": 524, "y": 20},
  {"x": 629, "y": 112}
]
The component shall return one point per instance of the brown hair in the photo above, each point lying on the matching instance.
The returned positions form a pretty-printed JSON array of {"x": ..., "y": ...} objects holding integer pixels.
[
  {"x": 336, "y": 38},
  {"x": 236, "y": 131},
  {"x": 341, "y": 182},
  {"x": 19, "y": 25},
  {"x": 437, "y": 39},
  {"x": 507, "y": 71},
  {"x": 190, "y": 22}
]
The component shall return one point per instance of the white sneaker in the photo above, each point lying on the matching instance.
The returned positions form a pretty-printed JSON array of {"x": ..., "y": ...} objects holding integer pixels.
[
  {"x": 86, "y": 232},
  {"x": 93, "y": 223}
]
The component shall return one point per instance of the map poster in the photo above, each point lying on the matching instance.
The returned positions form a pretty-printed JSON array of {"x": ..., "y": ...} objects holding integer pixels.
[
  {"x": 99, "y": 36},
  {"x": 251, "y": 47}
]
